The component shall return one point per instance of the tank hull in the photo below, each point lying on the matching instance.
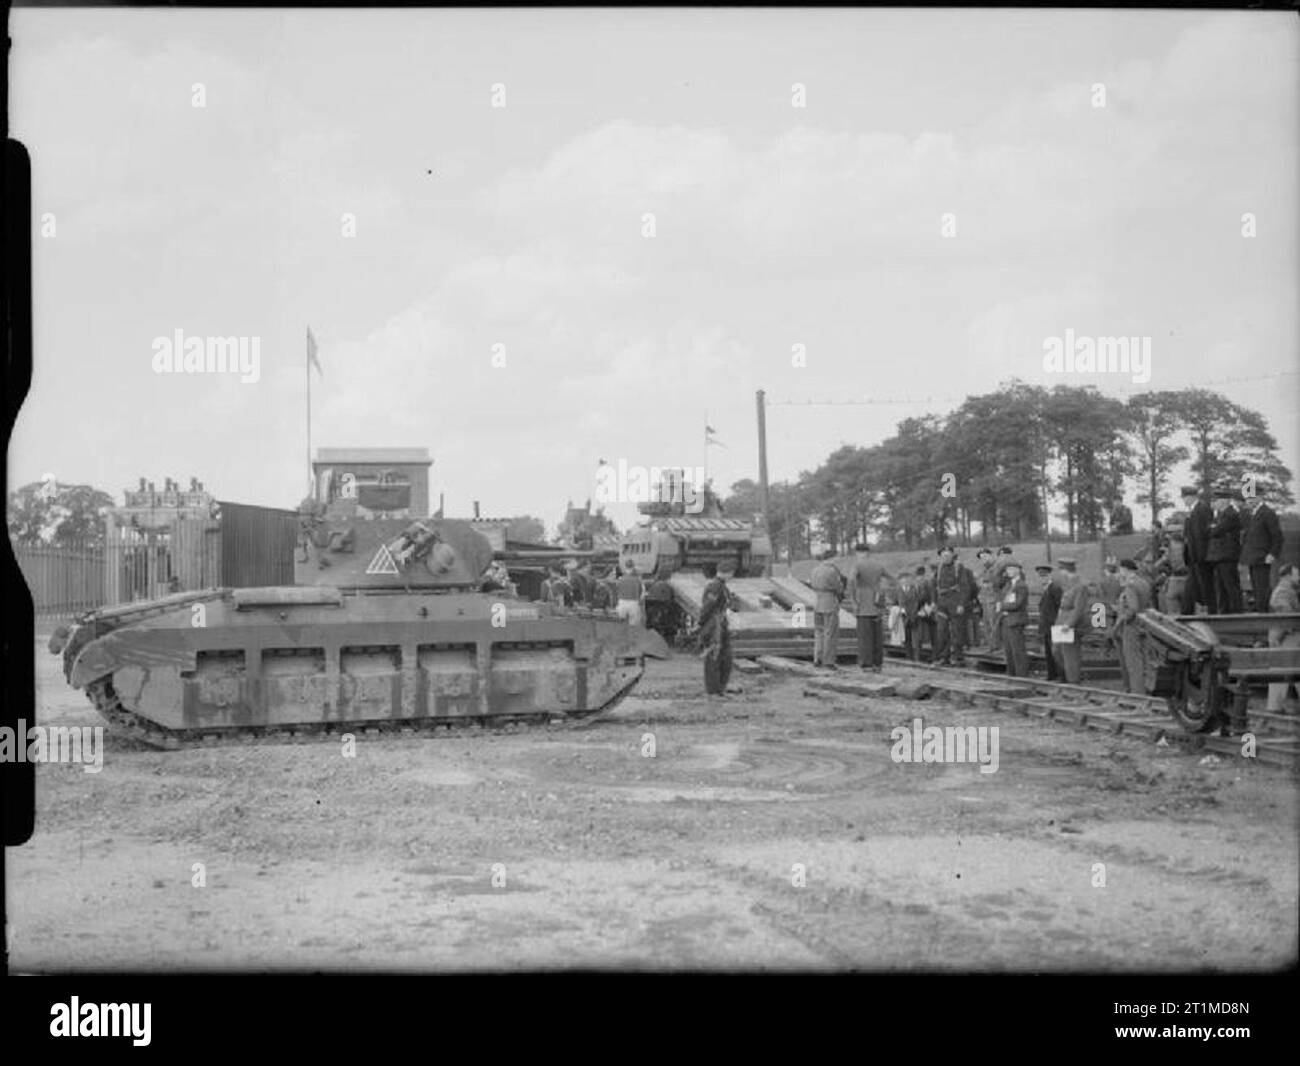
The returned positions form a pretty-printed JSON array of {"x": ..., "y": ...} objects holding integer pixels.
[{"x": 249, "y": 661}]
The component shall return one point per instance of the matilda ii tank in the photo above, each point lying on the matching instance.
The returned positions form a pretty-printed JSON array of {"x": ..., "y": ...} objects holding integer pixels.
[{"x": 388, "y": 627}]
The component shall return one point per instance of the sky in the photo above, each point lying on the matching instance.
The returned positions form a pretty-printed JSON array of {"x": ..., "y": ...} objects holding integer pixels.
[{"x": 483, "y": 281}]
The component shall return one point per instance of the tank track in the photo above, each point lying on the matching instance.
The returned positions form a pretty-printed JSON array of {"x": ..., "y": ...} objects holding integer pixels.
[{"x": 127, "y": 723}]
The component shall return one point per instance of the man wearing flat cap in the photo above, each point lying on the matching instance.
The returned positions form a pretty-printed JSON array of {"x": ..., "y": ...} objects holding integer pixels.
[
  {"x": 1224, "y": 552},
  {"x": 1049, "y": 605}
]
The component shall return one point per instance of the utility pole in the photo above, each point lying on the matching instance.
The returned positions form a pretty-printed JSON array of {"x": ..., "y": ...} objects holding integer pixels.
[{"x": 761, "y": 403}]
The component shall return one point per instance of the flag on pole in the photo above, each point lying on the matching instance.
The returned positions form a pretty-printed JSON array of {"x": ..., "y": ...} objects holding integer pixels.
[
  {"x": 709, "y": 438},
  {"x": 311, "y": 353}
]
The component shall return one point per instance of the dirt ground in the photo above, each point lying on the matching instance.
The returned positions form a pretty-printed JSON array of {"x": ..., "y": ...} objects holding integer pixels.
[{"x": 769, "y": 831}]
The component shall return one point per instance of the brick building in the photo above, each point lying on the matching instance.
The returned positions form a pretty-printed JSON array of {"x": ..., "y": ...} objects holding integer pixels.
[{"x": 384, "y": 476}]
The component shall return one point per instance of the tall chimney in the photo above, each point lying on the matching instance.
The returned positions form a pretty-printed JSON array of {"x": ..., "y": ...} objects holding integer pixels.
[{"x": 476, "y": 508}]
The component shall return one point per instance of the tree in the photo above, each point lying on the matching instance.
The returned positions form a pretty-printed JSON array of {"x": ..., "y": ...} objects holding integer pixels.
[
  {"x": 1154, "y": 421},
  {"x": 1231, "y": 443},
  {"x": 45, "y": 512},
  {"x": 1087, "y": 430},
  {"x": 995, "y": 443},
  {"x": 787, "y": 526},
  {"x": 526, "y": 529}
]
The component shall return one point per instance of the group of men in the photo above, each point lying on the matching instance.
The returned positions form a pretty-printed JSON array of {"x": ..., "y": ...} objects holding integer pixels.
[
  {"x": 946, "y": 606},
  {"x": 1199, "y": 550},
  {"x": 654, "y": 605},
  {"x": 621, "y": 590}
]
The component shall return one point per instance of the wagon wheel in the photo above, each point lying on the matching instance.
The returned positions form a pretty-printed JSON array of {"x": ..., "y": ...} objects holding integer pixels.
[{"x": 1195, "y": 706}]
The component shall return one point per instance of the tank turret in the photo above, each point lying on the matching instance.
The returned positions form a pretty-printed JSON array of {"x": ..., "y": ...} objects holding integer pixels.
[{"x": 341, "y": 550}]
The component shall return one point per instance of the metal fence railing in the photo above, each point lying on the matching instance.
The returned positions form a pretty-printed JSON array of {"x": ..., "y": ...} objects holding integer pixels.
[{"x": 66, "y": 579}]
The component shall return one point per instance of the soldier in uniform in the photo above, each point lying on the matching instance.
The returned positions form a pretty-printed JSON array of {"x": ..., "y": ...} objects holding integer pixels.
[
  {"x": 828, "y": 584},
  {"x": 1013, "y": 616},
  {"x": 1134, "y": 597},
  {"x": 1004, "y": 559},
  {"x": 1049, "y": 605},
  {"x": 1072, "y": 622},
  {"x": 1224, "y": 552},
  {"x": 864, "y": 591},
  {"x": 715, "y": 634},
  {"x": 954, "y": 590}
]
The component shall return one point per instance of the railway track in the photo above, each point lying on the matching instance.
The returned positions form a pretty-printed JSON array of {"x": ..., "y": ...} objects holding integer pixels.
[{"x": 1145, "y": 718}]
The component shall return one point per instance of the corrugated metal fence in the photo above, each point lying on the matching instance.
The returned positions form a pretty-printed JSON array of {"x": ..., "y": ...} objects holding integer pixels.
[{"x": 257, "y": 545}]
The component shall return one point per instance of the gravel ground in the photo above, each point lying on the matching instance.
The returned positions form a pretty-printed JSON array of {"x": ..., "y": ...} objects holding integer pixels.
[{"x": 768, "y": 831}]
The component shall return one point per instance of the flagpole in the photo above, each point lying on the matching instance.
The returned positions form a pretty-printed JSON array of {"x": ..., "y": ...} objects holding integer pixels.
[
  {"x": 311, "y": 477},
  {"x": 706, "y": 450}
]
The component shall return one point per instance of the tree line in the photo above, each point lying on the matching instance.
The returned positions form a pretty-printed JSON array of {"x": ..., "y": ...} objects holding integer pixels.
[{"x": 1005, "y": 460}]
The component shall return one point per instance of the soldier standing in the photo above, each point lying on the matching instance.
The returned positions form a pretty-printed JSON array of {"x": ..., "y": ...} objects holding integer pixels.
[
  {"x": 864, "y": 591},
  {"x": 999, "y": 586},
  {"x": 1134, "y": 597},
  {"x": 1013, "y": 616},
  {"x": 1071, "y": 623},
  {"x": 1224, "y": 552},
  {"x": 953, "y": 586},
  {"x": 828, "y": 583},
  {"x": 1260, "y": 548},
  {"x": 1049, "y": 605},
  {"x": 715, "y": 634}
]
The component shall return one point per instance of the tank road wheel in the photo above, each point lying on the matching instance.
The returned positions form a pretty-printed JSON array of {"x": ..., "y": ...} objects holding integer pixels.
[{"x": 1195, "y": 704}]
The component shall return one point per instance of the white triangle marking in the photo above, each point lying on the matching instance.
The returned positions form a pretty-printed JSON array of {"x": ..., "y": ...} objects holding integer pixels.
[{"x": 382, "y": 563}]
